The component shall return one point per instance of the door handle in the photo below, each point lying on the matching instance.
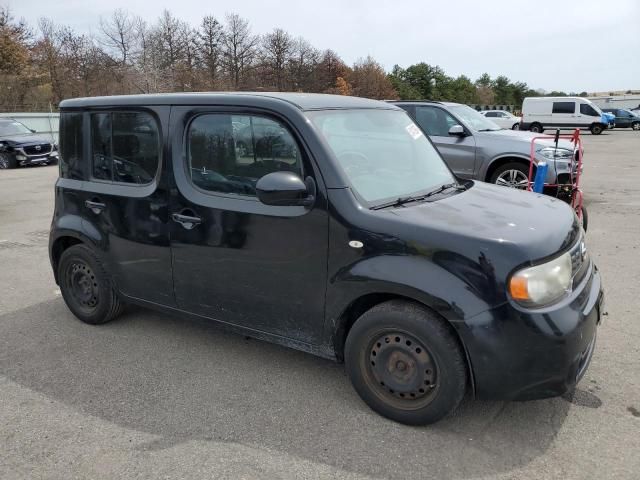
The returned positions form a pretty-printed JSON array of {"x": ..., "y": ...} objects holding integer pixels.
[
  {"x": 187, "y": 221},
  {"x": 95, "y": 206}
]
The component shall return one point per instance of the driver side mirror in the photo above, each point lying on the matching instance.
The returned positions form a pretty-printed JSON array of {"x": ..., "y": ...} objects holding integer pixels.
[
  {"x": 457, "y": 131},
  {"x": 285, "y": 189}
]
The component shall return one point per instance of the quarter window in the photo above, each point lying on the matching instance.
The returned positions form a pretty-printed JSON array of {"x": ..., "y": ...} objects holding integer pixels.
[
  {"x": 125, "y": 147},
  {"x": 71, "y": 145},
  {"x": 230, "y": 153},
  {"x": 564, "y": 107},
  {"x": 586, "y": 109}
]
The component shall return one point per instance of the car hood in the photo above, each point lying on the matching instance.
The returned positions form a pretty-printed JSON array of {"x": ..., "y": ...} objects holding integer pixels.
[
  {"x": 503, "y": 223},
  {"x": 523, "y": 138},
  {"x": 29, "y": 139}
]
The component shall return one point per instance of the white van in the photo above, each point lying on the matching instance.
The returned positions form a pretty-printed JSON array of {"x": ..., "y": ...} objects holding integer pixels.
[{"x": 541, "y": 113}]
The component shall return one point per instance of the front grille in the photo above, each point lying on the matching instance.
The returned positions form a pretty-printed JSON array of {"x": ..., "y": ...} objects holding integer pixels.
[{"x": 41, "y": 149}]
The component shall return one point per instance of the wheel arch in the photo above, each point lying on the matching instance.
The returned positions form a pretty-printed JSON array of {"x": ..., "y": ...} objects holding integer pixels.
[
  {"x": 62, "y": 240},
  {"x": 503, "y": 160},
  {"x": 358, "y": 306}
]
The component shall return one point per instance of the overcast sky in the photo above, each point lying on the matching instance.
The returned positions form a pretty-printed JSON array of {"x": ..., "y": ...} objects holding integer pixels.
[{"x": 591, "y": 45}]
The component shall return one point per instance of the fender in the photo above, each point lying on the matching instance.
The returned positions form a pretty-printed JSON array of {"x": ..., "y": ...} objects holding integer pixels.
[
  {"x": 76, "y": 227},
  {"x": 511, "y": 155}
]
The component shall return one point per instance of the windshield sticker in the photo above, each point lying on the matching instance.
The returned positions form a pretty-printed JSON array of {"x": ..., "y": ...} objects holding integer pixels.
[{"x": 414, "y": 131}]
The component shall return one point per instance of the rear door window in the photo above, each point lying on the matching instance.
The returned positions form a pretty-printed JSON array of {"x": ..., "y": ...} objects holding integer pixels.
[
  {"x": 564, "y": 107},
  {"x": 125, "y": 147}
]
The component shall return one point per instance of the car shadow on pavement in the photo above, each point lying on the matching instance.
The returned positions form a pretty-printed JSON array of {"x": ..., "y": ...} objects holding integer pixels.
[{"x": 186, "y": 381}]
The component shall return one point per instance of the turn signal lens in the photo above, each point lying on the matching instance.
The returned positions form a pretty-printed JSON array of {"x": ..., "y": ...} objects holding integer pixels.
[{"x": 542, "y": 284}]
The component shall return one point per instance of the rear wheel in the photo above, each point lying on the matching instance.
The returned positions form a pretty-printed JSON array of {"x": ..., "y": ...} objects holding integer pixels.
[
  {"x": 536, "y": 128},
  {"x": 7, "y": 161},
  {"x": 635, "y": 126},
  {"x": 516, "y": 126},
  {"x": 596, "y": 129},
  {"x": 406, "y": 363},
  {"x": 513, "y": 175},
  {"x": 86, "y": 286}
]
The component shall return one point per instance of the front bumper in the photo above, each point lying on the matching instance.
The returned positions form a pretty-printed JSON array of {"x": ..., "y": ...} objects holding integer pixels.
[
  {"x": 519, "y": 354},
  {"x": 23, "y": 159}
]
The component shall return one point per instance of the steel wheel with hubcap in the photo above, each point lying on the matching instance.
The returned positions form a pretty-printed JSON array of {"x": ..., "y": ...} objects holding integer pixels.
[
  {"x": 406, "y": 362},
  {"x": 596, "y": 129}
]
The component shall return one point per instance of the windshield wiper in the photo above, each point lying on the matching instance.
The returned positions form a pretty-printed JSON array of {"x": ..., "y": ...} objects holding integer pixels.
[{"x": 398, "y": 202}]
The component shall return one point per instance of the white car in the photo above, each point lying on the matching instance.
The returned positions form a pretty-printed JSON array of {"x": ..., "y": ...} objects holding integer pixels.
[{"x": 503, "y": 119}]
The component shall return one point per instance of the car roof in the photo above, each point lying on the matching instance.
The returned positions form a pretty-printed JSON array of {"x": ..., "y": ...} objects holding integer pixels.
[
  {"x": 302, "y": 101},
  {"x": 422, "y": 102}
]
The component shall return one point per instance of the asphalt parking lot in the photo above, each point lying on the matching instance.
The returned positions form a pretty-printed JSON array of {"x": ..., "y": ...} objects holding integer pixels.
[{"x": 151, "y": 396}]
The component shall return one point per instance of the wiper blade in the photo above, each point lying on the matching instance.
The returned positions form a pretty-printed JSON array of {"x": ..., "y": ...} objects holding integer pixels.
[{"x": 398, "y": 202}]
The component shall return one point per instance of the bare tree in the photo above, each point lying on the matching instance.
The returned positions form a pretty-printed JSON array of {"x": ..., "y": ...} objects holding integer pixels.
[
  {"x": 370, "y": 80},
  {"x": 277, "y": 49},
  {"x": 120, "y": 36},
  {"x": 302, "y": 63},
  {"x": 240, "y": 49},
  {"x": 210, "y": 37}
]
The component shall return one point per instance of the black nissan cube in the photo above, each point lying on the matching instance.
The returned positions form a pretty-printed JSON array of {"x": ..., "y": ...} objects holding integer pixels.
[{"x": 328, "y": 224}]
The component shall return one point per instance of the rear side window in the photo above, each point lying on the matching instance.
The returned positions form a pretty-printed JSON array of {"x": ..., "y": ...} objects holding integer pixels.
[
  {"x": 491, "y": 114},
  {"x": 586, "y": 109},
  {"x": 71, "y": 145},
  {"x": 564, "y": 107},
  {"x": 125, "y": 147},
  {"x": 230, "y": 153}
]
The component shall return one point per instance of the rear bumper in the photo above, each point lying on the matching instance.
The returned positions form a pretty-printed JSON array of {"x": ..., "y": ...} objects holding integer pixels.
[{"x": 517, "y": 354}]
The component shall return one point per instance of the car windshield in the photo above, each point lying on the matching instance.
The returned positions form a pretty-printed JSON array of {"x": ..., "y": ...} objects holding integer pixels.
[
  {"x": 472, "y": 119},
  {"x": 13, "y": 128},
  {"x": 383, "y": 153}
]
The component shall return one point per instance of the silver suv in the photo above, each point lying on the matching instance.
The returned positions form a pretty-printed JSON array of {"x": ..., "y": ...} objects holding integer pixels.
[{"x": 475, "y": 147}]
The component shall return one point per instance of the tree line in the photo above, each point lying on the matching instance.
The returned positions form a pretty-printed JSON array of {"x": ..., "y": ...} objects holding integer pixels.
[{"x": 43, "y": 65}]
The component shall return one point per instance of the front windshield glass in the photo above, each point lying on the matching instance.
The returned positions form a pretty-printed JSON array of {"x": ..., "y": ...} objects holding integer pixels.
[
  {"x": 473, "y": 119},
  {"x": 13, "y": 128},
  {"x": 384, "y": 154}
]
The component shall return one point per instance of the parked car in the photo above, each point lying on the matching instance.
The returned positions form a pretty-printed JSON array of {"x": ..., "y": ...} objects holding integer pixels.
[
  {"x": 624, "y": 118},
  {"x": 21, "y": 146},
  {"x": 543, "y": 113},
  {"x": 356, "y": 243},
  {"x": 503, "y": 119},
  {"x": 475, "y": 148}
]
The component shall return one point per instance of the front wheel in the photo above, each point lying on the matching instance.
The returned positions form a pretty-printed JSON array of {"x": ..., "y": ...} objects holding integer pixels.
[
  {"x": 584, "y": 218},
  {"x": 7, "y": 161},
  {"x": 406, "y": 363},
  {"x": 516, "y": 126},
  {"x": 596, "y": 129},
  {"x": 635, "y": 126},
  {"x": 513, "y": 175}
]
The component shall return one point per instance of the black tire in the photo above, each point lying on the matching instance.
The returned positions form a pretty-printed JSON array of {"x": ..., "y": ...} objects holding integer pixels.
[
  {"x": 635, "y": 126},
  {"x": 7, "y": 161},
  {"x": 411, "y": 342},
  {"x": 536, "y": 128},
  {"x": 86, "y": 286},
  {"x": 585, "y": 218},
  {"x": 512, "y": 166},
  {"x": 596, "y": 129},
  {"x": 53, "y": 161},
  {"x": 516, "y": 126}
]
